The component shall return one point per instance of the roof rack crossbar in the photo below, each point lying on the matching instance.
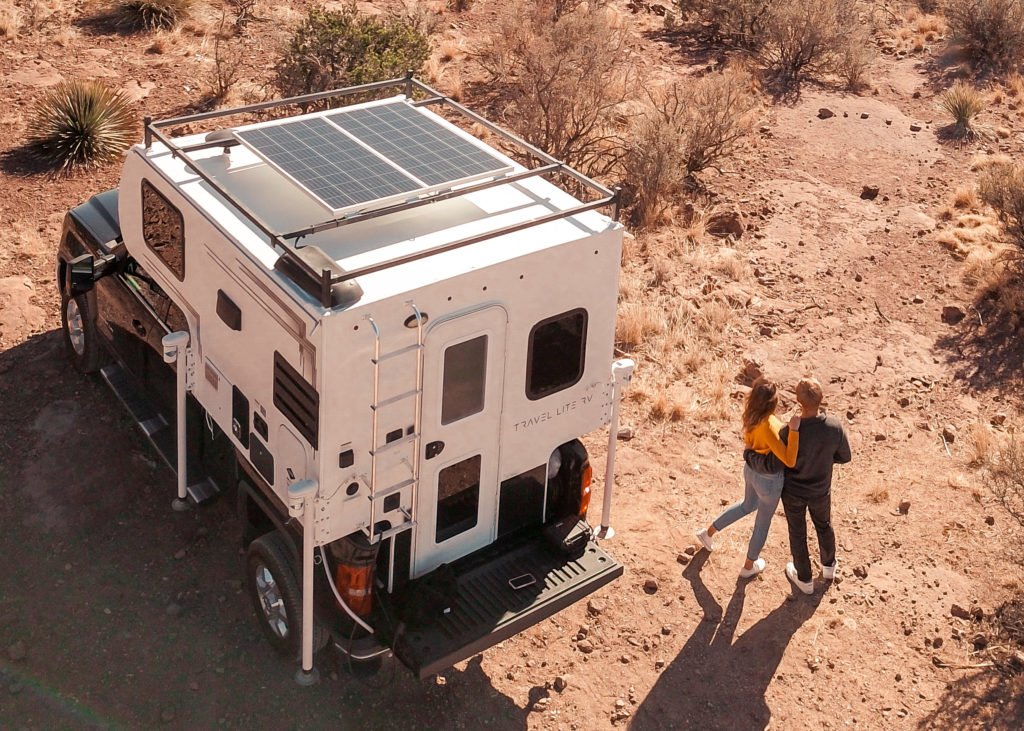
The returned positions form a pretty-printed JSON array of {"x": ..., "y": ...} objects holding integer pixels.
[
  {"x": 408, "y": 205},
  {"x": 548, "y": 218}
]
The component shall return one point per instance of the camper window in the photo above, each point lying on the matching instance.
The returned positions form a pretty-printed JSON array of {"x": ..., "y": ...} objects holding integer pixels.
[
  {"x": 163, "y": 229},
  {"x": 555, "y": 358},
  {"x": 458, "y": 498},
  {"x": 465, "y": 366}
]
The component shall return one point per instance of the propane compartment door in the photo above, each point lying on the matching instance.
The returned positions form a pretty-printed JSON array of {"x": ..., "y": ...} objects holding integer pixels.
[{"x": 462, "y": 384}]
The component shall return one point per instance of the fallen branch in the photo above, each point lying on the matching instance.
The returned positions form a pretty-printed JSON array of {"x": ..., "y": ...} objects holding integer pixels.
[
  {"x": 958, "y": 666},
  {"x": 945, "y": 446},
  {"x": 880, "y": 313}
]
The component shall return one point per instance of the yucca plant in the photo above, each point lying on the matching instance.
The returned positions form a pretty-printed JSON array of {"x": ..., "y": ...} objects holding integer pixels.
[
  {"x": 963, "y": 103},
  {"x": 82, "y": 123},
  {"x": 155, "y": 14}
]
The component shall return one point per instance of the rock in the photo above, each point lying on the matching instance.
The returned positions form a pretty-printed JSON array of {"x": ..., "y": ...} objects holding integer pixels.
[
  {"x": 683, "y": 559},
  {"x": 888, "y": 122},
  {"x": 864, "y": 115},
  {"x": 937, "y": 643},
  {"x": 858, "y": 277},
  {"x": 620, "y": 704},
  {"x": 625, "y": 433},
  {"x": 666, "y": 630},
  {"x": 659, "y": 664},
  {"x": 869, "y": 192},
  {"x": 764, "y": 129},
  {"x": 990, "y": 520},
  {"x": 651, "y": 586},
  {"x": 951, "y": 314},
  {"x": 959, "y": 612},
  {"x": 949, "y": 433},
  {"x": 977, "y": 614},
  {"x": 879, "y": 437},
  {"x": 17, "y": 652},
  {"x": 690, "y": 550},
  {"x": 561, "y": 683},
  {"x": 915, "y": 128},
  {"x": 595, "y": 606},
  {"x": 861, "y": 572},
  {"x": 904, "y": 402},
  {"x": 725, "y": 223},
  {"x": 766, "y": 331},
  {"x": 998, "y": 419},
  {"x": 541, "y": 704},
  {"x": 179, "y": 554},
  {"x": 904, "y": 507},
  {"x": 917, "y": 94},
  {"x": 173, "y": 609},
  {"x": 825, "y": 113},
  {"x": 980, "y": 641},
  {"x": 918, "y": 299}
]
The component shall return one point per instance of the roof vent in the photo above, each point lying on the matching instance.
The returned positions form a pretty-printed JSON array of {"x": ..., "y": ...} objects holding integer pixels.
[{"x": 223, "y": 135}]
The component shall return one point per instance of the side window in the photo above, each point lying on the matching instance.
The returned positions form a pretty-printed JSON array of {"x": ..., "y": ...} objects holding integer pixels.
[
  {"x": 465, "y": 368},
  {"x": 163, "y": 229},
  {"x": 458, "y": 498},
  {"x": 556, "y": 353}
]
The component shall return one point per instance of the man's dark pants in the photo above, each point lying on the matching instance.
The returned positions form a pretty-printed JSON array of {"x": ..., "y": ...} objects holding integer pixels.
[{"x": 820, "y": 508}]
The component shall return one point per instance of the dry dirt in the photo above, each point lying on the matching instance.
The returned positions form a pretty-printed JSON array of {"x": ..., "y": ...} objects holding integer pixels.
[{"x": 115, "y": 611}]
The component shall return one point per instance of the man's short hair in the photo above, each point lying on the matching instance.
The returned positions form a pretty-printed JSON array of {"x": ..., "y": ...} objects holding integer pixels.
[{"x": 808, "y": 392}]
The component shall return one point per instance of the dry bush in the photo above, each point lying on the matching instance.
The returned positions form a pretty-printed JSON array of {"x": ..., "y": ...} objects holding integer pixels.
[
  {"x": 10, "y": 20},
  {"x": 562, "y": 81},
  {"x": 992, "y": 31},
  {"x": 966, "y": 196},
  {"x": 684, "y": 129},
  {"x": 963, "y": 103},
  {"x": 805, "y": 37},
  {"x": 879, "y": 495},
  {"x": 1005, "y": 473},
  {"x": 853, "y": 59},
  {"x": 243, "y": 10},
  {"x": 1015, "y": 85},
  {"x": 228, "y": 59},
  {"x": 1002, "y": 187},
  {"x": 738, "y": 22}
]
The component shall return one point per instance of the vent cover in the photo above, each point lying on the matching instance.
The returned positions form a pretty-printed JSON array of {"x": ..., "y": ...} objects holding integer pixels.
[{"x": 297, "y": 399}]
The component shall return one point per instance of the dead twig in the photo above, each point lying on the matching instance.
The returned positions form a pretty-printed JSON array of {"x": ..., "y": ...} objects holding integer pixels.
[
  {"x": 880, "y": 313},
  {"x": 945, "y": 446},
  {"x": 958, "y": 666}
]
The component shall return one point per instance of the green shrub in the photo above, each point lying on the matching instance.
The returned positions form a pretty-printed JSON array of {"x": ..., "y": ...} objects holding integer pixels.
[
  {"x": 963, "y": 103},
  {"x": 81, "y": 123},
  {"x": 332, "y": 49},
  {"x": 992, "y": 31},
  {"x": 154, "y": 14}
]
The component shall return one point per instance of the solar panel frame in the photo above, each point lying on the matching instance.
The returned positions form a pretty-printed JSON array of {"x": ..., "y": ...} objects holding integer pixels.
[{"x": 371, "y": 156}]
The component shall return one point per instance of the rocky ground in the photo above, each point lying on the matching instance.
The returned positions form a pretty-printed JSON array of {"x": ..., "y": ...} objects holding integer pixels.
[{"x": 116, "y": 611}]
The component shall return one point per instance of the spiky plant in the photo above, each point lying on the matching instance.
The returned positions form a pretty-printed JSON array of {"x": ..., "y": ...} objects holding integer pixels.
[
  {"x": 155, "y": 14},
  {"x": 963, "y": 102},
  {"x": 82, "y": 123}
]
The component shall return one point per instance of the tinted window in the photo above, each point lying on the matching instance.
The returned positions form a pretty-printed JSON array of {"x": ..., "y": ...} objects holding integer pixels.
[
  {"x": 458, "y": 498},
  {"x": 556, "y": 353},
  {"x": 163, "y": 229},
  {"x": 465, "y": 367}
]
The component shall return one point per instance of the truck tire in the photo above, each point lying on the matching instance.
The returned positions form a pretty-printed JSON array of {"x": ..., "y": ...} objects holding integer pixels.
[
  {"x": 80, "y": 336},
  {"x": 277, "y": 597}
]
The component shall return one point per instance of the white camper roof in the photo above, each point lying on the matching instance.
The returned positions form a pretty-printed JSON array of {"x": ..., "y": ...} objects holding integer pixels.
[{"x": 389, "y": 191}]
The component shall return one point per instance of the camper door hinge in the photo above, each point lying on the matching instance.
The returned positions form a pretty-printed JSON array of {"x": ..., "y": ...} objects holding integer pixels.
[{"x": 190, "y": 369}]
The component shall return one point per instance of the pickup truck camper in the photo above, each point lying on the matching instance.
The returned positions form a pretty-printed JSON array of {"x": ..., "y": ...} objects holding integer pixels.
[{"x": 385, "y": 338}]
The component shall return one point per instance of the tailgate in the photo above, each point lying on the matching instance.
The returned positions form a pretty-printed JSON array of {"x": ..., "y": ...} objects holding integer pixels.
[{"x": 489, "y": 607}]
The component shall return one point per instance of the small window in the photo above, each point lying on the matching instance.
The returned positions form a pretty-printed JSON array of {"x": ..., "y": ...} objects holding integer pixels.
[
  {"x": 163, "y": 229},
  {"x": 458, "y": 498},
  {"x": 555, "y": 358},
  {"x": 465, "y": 370}
]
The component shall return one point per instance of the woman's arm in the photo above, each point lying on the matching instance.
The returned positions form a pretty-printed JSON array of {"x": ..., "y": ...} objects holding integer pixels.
[{"x": 785, "y": 451}]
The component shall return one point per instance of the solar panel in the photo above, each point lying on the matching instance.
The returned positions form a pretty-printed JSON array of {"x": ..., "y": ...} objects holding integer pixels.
[
  {"x": 419, "y": 144},
  {"x": 327, "y": 162}
]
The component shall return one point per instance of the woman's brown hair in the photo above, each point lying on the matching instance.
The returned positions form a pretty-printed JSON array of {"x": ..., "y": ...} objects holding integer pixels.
[{"x": 762, "y": 401}]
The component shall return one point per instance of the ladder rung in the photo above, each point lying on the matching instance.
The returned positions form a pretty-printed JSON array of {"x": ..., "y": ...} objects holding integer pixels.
[
  {"x": 395, "y": 353},
  {"x": 395, "y": 531},
  {"x": 393, "y": 489},
  {"x": 384, "y": 448},
  {"x": 396, "y": 399}
]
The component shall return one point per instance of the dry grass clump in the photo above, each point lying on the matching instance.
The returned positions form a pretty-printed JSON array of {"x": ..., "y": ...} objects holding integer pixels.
[
  {"x": 154, "y": 14},
  {"x": 10, "y": 20},
  {"x": 963, "y": 103},
  {"x": 992, "y": 31}
]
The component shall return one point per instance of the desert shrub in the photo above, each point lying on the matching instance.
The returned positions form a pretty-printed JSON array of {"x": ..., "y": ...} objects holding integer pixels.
[
  {"x": 804, "y": 37},
  {"x": 991, "y": 30},
  {"x": 332, "y": 49},
  {"x": 560, "y": 82},
  {"x": 963, "y": 103},
  {"x": 10, "y": 21},
  {"x": 243, "y": 10},
  {"x": 154, "y": 14},
  {"x": 81, "y": 123},
  {"x": 1006, "y": 477},
  {"x": 686, "y": 128},
  {"x": 739, "y": 22},
  {"x": 1002, "y": 187}
]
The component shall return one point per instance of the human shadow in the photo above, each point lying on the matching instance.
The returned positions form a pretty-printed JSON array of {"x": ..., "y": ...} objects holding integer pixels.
[{"x": 718, "y": 680}]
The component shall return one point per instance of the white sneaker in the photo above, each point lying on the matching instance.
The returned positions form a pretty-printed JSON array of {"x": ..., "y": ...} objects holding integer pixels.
[
  {"x": 754, "y": 570},
  {"x": 829, "y": 572},
  {"x": 807, "y": 587},
  {"x": 705, "y": 540}
]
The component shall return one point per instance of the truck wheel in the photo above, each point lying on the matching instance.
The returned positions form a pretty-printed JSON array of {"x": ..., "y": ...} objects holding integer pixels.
[
  {"x": 80, "y": 334},
  {"x": 276, "y": 596}
]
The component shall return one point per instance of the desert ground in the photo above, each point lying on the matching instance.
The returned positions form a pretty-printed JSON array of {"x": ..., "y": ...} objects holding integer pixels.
[{"x": 117, "y": 612}]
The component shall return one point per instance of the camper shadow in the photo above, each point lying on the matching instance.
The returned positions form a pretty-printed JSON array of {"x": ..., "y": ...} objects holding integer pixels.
[{"x": 718, "y": 680}]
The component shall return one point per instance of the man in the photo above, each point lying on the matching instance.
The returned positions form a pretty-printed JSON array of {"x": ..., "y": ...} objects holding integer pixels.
[{"x": 808, "y": 485}]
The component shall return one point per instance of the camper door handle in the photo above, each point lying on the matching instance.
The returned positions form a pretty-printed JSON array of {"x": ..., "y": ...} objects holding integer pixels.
[{"x": 434, "y": 449}]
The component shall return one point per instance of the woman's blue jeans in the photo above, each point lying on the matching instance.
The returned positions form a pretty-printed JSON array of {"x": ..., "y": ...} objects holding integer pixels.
[{"x": 761, "y": 492}]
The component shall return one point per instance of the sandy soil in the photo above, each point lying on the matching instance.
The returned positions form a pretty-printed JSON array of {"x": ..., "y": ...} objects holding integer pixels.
[{"x": 115, "y": 611}]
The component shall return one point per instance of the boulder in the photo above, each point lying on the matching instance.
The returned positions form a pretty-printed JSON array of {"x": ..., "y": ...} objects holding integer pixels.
[
  {"x": 951, "y": 314},
  {"x": 825, "y": 113},
  {"x": 725, "y": 223}
]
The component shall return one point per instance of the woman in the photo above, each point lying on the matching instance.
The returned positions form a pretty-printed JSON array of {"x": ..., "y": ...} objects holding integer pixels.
[{"x": 761, "y": 433}]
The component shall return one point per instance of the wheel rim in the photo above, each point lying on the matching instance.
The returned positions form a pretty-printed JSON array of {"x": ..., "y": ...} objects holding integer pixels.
[
  {"x": 271, "y": 601},
  {"x": 76, "y": 327}
]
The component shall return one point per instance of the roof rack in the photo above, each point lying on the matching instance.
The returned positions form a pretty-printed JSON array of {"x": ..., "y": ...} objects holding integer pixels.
[{"x": 326, "y": 278}]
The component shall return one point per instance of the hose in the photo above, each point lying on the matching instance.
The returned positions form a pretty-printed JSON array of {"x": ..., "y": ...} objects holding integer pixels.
[{"x": 330, "y": 580}]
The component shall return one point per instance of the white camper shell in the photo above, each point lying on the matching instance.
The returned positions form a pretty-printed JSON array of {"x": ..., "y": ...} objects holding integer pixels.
[{"x": 401, "y": 332}]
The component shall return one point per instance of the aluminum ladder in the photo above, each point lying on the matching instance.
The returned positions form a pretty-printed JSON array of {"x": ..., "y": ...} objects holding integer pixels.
[{"x": 409, "y": 440}]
